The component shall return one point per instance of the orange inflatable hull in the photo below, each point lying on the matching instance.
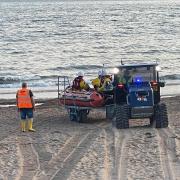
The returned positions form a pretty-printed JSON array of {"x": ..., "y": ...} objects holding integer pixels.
[{"x": 82, "y": 98}]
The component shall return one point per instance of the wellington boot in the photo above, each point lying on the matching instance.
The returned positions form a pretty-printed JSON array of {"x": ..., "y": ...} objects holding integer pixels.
[
  {"x": 23, "y": 126},
  {"x": 30, "y": 124}
]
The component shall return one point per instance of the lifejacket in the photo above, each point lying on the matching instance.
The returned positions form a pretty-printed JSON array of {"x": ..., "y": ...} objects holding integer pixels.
[
  {"x": 78, "y": 83},
  {"x": 109, "y": 77},
  {"x": 96, "y": 83},
  {"x": 103, "y": 83},
  {"x": 24, "y": 99},
  {"x": 99, "y": 83}
]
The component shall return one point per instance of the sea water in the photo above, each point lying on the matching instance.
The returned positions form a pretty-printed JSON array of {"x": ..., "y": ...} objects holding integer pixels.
[{"x": 41, "y": 40}]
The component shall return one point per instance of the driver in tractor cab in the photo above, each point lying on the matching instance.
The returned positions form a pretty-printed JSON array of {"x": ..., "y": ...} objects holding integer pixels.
[
  {"x": 79, "y": 83},
  {"x": 126, "y": 77},
  {"x": 101, "y": 81}
]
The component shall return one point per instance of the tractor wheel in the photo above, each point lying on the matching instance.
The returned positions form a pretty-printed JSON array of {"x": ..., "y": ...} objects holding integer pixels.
[
  {"x": 161, "y": 116},
  {"x": 82, "y": 116},
  {"x": 121, "y": 120}
]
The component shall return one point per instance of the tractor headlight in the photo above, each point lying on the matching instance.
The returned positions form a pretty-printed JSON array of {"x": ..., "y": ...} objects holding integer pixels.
[
  {"x": 158, "y": 68},
  {"x": 115, "y": 70}
]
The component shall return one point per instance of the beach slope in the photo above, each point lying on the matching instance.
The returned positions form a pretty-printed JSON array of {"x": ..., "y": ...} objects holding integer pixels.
[{"x": 60, "y": 149}]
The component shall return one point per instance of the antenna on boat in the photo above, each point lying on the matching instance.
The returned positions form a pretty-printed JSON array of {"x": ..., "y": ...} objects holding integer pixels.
[
  {"x": 122, "y": 62},
  {"x": 157, "y": 60},
  {"x": 103, "y": 67}
]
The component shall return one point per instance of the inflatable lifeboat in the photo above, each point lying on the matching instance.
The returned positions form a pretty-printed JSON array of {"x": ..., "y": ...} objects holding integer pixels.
[{"x": 82, "y": 98}]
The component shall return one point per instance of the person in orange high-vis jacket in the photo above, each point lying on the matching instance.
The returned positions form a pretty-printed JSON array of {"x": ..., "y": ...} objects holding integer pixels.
[{"x": 26, "y": 106}]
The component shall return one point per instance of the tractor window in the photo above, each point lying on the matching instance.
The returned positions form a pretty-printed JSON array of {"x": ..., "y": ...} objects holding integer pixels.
[
  {"x": 139, "y": 74},
  {"x": 143, "y": 74}
]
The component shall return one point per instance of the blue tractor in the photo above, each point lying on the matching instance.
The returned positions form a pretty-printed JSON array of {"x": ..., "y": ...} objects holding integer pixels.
[{"x": 137, "y": 95}]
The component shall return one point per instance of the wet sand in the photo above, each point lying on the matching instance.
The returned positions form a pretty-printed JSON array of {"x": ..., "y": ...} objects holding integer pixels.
[{"x": 61, "y": 149}]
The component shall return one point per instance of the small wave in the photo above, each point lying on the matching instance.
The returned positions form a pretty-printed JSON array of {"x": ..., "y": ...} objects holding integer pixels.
[
  {"x": 81, "y": 26},
  {"x": 17, "y": 79},
  {"x": 16, "y": 83},
  {"x": 59, "y": 68},
  {"x": 82, "y": 67},
  {"x": 14, "y": 39},
  {"x": 79, "y": 67},
  {"x": 8, "y": 80},
  {"x": 114, "y": 20},
  {"x": 61, "y": 34},
  {"x": 151, "y": 51},
  {"x": 47, "y": 77},
  {"x": 103, "y": 47},
  {"x": 85, "y": 56},
  {"x": 41, "y": 20},
  {"x": 17, "y": 52},
  {"x": 38, "y": 31},
  {"x": 172, "y": 77}
]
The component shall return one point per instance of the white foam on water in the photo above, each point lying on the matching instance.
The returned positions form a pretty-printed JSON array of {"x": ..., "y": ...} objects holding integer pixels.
[
  {"x": 38, "y": 92},
  {"x": 52, "y": 92}
]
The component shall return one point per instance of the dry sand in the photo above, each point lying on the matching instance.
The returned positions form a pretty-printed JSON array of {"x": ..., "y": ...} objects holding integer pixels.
[{"x": 61, "y": 149}]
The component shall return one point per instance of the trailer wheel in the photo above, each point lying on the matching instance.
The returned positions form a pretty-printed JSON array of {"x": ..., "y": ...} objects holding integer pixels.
[
  {"x": 161, "y": 116},
  {"x": 121, "y": 120},
  {"x": 73, "y": 114},
  {"x": 151, "y": 121},
  {"x": 82, "y": 115},
  {"x": 110, "y": 111}
]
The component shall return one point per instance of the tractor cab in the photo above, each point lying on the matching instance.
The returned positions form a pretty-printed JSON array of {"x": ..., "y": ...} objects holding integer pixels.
[{"x": 137, "y": 73}]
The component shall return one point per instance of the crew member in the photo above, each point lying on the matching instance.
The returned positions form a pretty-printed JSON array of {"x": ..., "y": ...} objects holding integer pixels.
[
  {"x": 26, "y": 106},
  {"x": 101, "y": 81},
  {"x": 97, "y": 81},
  {"x": 79, "y": 83}
]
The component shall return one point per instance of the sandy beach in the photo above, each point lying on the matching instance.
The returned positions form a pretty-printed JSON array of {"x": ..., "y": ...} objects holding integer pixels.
[{"x": 65, "y": 150}]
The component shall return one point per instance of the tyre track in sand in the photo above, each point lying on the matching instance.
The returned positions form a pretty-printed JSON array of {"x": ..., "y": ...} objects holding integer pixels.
[
  {"x": 109, "y": 148},
  {"x": 170, "y": 160},
  {"x": 29, "y": 161},
  {"x": 60, "y": 166},
  {"x": 176, "y": 131},
  {"x": 109, "y": 153},
  {"x": 103, "y": 126},
  {"x": 97, "y": 161},
  {"x": 106, "y": 157},
  {"x": 121, "y": 153}
]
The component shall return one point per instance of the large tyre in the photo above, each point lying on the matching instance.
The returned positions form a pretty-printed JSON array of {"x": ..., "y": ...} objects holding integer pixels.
[
  {"x": 121, "y": 120},
  {"x": 161, "y": 116},
  {"x": 82, "y": 116}
]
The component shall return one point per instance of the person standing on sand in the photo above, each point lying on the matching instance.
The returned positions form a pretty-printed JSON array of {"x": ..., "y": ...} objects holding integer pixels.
[{"x": 26, "y": 105}]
